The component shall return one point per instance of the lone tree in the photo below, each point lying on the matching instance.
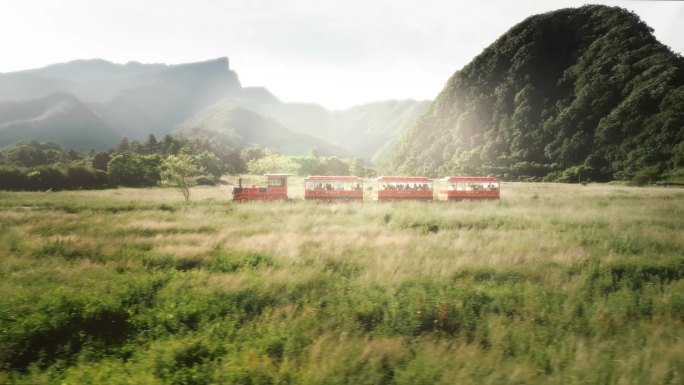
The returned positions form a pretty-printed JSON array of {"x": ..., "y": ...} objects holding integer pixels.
[{"x": 180, "y": 171}]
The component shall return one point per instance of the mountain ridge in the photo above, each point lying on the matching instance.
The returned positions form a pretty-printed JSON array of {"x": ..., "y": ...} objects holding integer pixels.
[{"x": 138, "y": 99}]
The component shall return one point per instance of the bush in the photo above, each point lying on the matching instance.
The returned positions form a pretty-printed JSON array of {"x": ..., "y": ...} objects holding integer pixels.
[
  {"x": 13, "y": 178},
  {"x": 51, "y": 178},
  {"x": 129, "y": 169},
  {"x": 646, "y": 175},
  {"x": 205, "y": 180},
  {"x": 86, "y": 178}
]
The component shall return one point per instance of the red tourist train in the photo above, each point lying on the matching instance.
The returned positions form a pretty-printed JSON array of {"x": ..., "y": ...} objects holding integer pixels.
[
  {"x": 333, "y": 188},
  {"x": 401, "y": 188},
  {"x": 275, "y": 190},
  {"x": 387, "y": 189},
  {"x": 459, "y": 188}
]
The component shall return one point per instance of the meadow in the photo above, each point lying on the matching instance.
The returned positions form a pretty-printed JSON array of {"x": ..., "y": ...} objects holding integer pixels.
[{"x": 552, "y": 284}]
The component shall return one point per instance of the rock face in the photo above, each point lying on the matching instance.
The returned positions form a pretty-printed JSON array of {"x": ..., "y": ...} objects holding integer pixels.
[
  {"x": 166, "y": 98},
  {"x": 576, "y": 92}
]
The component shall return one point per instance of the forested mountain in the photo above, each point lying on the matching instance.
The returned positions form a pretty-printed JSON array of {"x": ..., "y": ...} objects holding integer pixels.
[
  {"x": 59, "y": 118},
  {"x": 567, "y": 95}
]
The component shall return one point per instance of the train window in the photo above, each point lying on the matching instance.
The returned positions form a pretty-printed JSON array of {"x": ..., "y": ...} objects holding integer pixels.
[
  {"x": 275, "y": 182},
  {"x": 404, "y": 186},
  {"x": 333, "y": 185},
  {"x": 473, "y": 186}
]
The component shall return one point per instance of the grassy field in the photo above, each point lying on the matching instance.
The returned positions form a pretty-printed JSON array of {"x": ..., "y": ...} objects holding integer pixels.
[{"x": 553, "y": 284}]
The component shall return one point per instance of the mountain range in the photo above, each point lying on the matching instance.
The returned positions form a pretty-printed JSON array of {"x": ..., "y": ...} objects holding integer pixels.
[
  {"x": 110, "y": 101},
  {"x": 567, "y": 95}
]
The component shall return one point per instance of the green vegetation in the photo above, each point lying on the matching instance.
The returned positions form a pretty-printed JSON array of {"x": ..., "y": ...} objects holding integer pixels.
[
  {"x": 553, "y": 284},
  {"x": 570, "y": 95},
  {"x": 42, "y": 166},
  {"x": 32, "y": 166},
  {"x": 180, "y": 171},
  {"x": 261, "y": 161}
]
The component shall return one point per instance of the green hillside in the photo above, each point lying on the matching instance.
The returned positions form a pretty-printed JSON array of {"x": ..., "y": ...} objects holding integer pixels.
[
  {"x": 59, "y": 118},
  {"x": 370, "y": 129},
  {"x": 237, "y": 126},
  {"x": 567, "y": 95},
  {"x": 32, "y": 153},
  {"x": 365, "y": 130}
]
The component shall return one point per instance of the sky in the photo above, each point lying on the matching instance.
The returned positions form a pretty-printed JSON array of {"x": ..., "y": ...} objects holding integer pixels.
[{"x": 337, "y": 53}]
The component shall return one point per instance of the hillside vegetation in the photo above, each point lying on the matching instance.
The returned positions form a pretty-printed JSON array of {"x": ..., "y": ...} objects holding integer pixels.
[
  {"x": 567, "y": 95},
  {"x": 553, "y": 284},
  {"x": 59, "y": 117}
]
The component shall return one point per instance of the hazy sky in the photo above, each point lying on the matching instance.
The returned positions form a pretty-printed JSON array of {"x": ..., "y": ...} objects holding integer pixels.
[{"x": 338, "y": 53}]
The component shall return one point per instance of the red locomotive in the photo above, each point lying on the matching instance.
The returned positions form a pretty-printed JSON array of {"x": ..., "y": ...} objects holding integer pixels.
[
  {"x": 333, "y": 188},
  {"x": 399, "y": 188},
  {"x": 275, "y": 190},
  {"x": 458, "y": 188}
]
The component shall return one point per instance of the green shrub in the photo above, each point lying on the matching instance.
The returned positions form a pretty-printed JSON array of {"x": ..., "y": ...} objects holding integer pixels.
[{"x": 646, "y": 175}]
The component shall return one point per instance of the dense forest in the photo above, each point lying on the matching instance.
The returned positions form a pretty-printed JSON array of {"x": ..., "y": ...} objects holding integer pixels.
[{"x": 570, "y": 95}]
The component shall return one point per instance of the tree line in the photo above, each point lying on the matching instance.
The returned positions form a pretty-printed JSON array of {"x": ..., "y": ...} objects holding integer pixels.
[{"x": 33, "y": 166}]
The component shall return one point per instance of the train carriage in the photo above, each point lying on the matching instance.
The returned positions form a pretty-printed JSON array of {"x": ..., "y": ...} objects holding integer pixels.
[
  {"x": 275, "y": 190},
  {"x": 399, "y": 188},
  {"x": 333, "y": 188},
  {"x": 477, "y": 188}
]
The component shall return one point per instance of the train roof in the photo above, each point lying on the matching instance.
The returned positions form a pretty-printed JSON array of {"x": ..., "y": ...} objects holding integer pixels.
[
  {"x": 277, "y": 175},
  {"x": 344, "y": 178},
  {"x": 470, "y": 179},
  {"x": 403, "y": 179}
]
